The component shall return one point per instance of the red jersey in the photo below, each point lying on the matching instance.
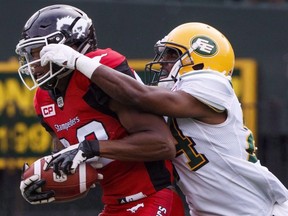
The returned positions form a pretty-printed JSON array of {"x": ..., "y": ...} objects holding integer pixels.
[{"x": 85, "y": 115}]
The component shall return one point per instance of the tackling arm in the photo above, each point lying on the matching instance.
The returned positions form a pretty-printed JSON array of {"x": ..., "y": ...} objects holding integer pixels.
[
  {"x": 147, "y": 98},
  {"x": 125, "y": 89},
  {"x": 153, "y": 99}
]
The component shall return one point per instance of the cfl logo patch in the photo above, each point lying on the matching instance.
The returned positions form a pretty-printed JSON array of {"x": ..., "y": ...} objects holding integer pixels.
[{"x": 48, "y": 110}]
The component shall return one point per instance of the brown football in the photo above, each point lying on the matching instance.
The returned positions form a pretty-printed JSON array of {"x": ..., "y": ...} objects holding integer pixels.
[{"x": 66, "y": 187}]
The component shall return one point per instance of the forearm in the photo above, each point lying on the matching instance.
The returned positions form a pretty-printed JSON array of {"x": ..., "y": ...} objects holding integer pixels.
[
  {"x": 120, "y": 87},
  {"x": 57, "y": 145},
  {"x": 142, "y": 147}
]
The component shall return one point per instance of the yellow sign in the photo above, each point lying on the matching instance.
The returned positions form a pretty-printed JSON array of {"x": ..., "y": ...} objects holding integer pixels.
[{"x": 245, "y": 85}]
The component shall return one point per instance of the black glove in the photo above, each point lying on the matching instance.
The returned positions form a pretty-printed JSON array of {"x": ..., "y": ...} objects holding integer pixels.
[
  {"x": 63, "y": 162},
  {"x": 29, "y": 188},
  {"x": 89, "y": 148},
  {"x": 68, "y": 159}
]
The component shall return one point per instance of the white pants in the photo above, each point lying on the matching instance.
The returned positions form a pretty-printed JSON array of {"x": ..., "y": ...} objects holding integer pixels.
[{"x": 280, "y": 210}]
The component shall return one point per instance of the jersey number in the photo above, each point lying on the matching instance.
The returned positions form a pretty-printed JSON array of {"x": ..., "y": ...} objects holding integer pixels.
[
  {"x": 186, "y": 146},
  {"x": 251, "y": 149},
  {"x": 89, "y": 130}
]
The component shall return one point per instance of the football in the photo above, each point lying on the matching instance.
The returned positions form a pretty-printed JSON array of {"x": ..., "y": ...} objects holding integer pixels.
[{"x": 66, "y": 187}]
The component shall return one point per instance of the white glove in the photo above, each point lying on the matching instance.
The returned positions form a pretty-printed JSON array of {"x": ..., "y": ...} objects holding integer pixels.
[
  {"x": 59, "y": 54},
  {"x": 65, "y": 56},
  {"x": 29, "y": 188}
]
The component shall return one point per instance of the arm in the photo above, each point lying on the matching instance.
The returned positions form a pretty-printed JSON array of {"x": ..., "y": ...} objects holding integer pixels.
[
  {"x": 153, "y": 99},
  {"x": 149, "y": 137},
  {"x": 127, "y": 90},
  {"x": 148, "y": 98},
  {"x": 57, "y": 145}
]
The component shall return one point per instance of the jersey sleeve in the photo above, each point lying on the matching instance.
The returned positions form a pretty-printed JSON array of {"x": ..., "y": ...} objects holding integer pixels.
[
  {"x": 113, "y": 59},
  {"x": 36, "y": 103},
  {"x": 210, "y": 87},
  {"x": 95, "y": 96}
]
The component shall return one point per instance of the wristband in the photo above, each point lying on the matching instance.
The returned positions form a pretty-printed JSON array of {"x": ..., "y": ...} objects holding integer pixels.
[{"x": 86, "y": 65}]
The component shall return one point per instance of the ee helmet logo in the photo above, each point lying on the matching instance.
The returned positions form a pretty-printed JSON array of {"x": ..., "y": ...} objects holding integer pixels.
[{"x": 204, "y": 46}]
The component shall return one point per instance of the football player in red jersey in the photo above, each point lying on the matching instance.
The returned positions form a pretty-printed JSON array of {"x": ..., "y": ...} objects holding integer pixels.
[{"x": 75, "y": 111}]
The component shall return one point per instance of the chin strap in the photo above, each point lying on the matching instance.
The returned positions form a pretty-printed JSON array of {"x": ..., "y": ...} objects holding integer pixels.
[{"x": 63, "y": 74}]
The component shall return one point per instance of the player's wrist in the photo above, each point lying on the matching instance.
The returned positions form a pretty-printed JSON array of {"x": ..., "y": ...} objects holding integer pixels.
[
  {"x": 86, "y": 65},
  {"x": 91, "y": 147}
]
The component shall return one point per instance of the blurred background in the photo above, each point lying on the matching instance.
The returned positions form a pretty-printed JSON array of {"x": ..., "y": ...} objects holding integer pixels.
[{"x": 256, "y": 29}]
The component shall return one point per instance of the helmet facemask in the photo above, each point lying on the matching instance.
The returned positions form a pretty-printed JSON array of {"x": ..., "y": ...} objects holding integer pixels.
[
  {"x": 169, "y": 59},
  {"x": 28, "y": 62}
]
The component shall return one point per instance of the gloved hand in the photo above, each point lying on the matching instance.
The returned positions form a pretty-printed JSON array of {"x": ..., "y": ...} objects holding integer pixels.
[
  {"x": 59, "y": 54},
  {"x": 30, "y": 189},
  {"x": 66, "y": 56},
  {"x": 69, "y": 159}
]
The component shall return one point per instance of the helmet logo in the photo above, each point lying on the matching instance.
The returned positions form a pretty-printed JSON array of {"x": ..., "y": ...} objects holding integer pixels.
[
  {"x": 79, "y": 28},
  {"x": 204, "y": 46}
]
